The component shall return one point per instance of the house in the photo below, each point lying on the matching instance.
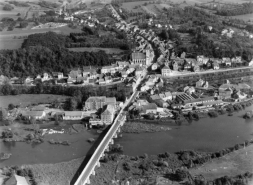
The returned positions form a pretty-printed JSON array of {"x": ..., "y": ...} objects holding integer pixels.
[
  {"x": 202, "y": 84},
  {"x": 101, "y": 81},
  {"x": 138, "y": 72},
  {"x": 3, "y": 79},
  {"x": 226, "y": 61},
  {"x": 251, "y": 63},
  {"x": 175, "y": 66},
  {"x": 108, "y": 79},
  {"x": 108, "y": 69},
  {"x": 28, "y": 80},
  {"x": 166, "y": 96},
  {"x": 158, "y": 101},
  {"x": 122, "y": 64},
  {"x": 35, "y": 114},
  {"x": 124, "y": 74},
  {"x": 149, "y": 108},
  {"x": 154, "y": 66},
  {"x": 225, "y": 94},
  {"x": 95, "y": 121},
  {"x": 215, "y": 65},
  {"x": 108, "y": 115},
  {"x": 16, "y": 180},
  {"x": 97, "y": 102},
  {"x": 73, "y": 74},
  {"x": 138, "y": 58},
  {"x": 57, "y": 75},
  {"x": 73, "y": 115},
  {"x": 45, "y": 77},
  {"x": 166, "y": 71},
  {"x": 88, "y": 70},
  {"x": 189, "y": 90}
]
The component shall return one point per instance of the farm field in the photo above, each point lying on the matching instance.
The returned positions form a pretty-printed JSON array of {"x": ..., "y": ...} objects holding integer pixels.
[
  {"x": 14, "y": 12},
  {"x": 18, "y": 32},
  {"x": 94, "y": 49},
  {"x": 130, "y": 5},
  {"x": 245, "y": 17},
  {"x": 10, "y": 43},
  {"x": 26, "y": 99}
]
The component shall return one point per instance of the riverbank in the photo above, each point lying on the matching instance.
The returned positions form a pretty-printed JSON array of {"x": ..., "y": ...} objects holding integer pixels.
[
  {"x": 139, "y": 127},
  {"x": 146, "y": 168}
]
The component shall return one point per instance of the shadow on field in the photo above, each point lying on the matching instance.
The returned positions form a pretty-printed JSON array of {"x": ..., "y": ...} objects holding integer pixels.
[{"x": 88, "y": 156}]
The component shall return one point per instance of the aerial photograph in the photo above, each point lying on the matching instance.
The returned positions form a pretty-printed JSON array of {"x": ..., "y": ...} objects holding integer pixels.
[{"x": 126, "y": 92}]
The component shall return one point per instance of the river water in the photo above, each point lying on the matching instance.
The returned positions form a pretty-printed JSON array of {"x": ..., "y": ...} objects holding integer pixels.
[{"x": 207, "y": 134}]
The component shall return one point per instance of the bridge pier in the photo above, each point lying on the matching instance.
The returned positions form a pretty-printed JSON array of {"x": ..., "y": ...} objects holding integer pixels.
[
  {"x": 112, "y": 142},
  {"x": 93, "y": 172},
  {"x": 98, "y": 164},
  {"x": 87, "y": 181}
]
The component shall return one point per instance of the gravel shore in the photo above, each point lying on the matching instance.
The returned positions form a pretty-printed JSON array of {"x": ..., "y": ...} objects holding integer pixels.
[{"x": 139, "y": 127}]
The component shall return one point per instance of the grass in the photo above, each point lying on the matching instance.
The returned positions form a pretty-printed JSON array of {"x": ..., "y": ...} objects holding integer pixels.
[
  {"x": 27, "y": 99},
  {"x": 10, "y": 43},
  {"x": 14, "y": 12},
  {"x": 54, "y": 174},
  {"x": 245, "y": 17},
  {"x": 23, "y": 32},
  {"x": 94, "y": 49},
  {"x": 232, "y": 164}
]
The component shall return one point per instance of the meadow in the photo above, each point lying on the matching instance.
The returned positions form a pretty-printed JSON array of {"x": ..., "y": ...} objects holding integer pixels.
[
  {"x": 94, "y": 49},
  {"x": 245, "y": 17},
  {"x": 27, "y": 99}
]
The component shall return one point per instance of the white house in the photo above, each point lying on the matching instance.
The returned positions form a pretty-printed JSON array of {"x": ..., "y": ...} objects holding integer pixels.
[{"x": 73, "y": 115}]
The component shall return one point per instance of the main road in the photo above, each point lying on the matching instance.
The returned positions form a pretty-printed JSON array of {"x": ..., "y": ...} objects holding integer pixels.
[{"x": 108, "y": 138}]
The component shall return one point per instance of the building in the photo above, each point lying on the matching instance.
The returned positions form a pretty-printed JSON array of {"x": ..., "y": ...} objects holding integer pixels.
[
  {"x": 95, "y": 121},
  {"x": 87, "y": 71},
  {"x": 35, "y": 114},
  {"x": 97, "y": 102},
  {"x": 138, "y": 58},
  {"x": 225, "y": 94},
  {"x": 16, "y": 180},
  {"x": 150, "y": 108},
  {"x": 158, "y": 101},
  {"x": 57, "y": 75},
  {"x": 108, "y": 115},
  {"x": 138, "y": 72},
  {"x": 73, "y": 115},
  {"x": 166, "y": 71}
]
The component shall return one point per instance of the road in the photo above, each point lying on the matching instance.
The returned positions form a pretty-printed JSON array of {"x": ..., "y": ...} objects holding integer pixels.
[
  {"x": 208, "y": 71},
  {"x": 120, "y": 119}
]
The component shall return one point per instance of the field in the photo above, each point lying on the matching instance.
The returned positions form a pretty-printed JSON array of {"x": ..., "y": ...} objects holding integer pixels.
[
  {"x": 130, "y": 5},
  {"x": 19, "y": 32},
  {"x": 245, "y": 17},
  {"x": 14, "y": 12},
  {"x": 10, "y": 43},
  {"x": 26, "y": 99},
  {"x": 93, "y": 49},
  {"x": 232, "y": 164}
]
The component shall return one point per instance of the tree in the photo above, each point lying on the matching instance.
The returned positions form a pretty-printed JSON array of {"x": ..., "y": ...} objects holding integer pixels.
[
  {"x": 6, "y": 88},
  {"x": 70, "y": 104},
  {"x": 7, "y": 7},
  {"x": 7, "y": 134},
  {"x": 11, "y": 106},
  {"x": 32, "y": 120}
]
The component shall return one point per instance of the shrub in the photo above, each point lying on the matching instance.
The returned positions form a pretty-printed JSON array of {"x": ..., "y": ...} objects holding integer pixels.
[{"x": 7, "y": 7}]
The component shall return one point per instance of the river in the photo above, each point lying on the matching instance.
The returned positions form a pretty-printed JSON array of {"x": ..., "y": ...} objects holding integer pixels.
[
  {"x": 23, "y": 153},
  {"x": 207, "y": 134}
]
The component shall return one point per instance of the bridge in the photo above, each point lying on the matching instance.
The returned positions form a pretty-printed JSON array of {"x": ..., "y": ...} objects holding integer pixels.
[{"x": 89, "y": 169}]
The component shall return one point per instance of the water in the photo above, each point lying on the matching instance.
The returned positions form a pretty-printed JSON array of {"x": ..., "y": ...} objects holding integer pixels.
[
  {"x": 207, "y": 134},
  {"x": 23, "y": 153}
]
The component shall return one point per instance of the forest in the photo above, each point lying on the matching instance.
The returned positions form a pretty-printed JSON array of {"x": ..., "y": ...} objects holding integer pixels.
[
  {"x": 245, "y": 8},
  {"x": 46, "y": 52},
  {"x": 90, "y": 37}
]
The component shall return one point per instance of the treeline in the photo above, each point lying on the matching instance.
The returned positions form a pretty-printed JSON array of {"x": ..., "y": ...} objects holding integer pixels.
[
  {"x": 46, "y": 52},
  {"x": 79, "y": 94},
  {"x": 90, "y": 38},
  {"x": 245, "y": 8}
]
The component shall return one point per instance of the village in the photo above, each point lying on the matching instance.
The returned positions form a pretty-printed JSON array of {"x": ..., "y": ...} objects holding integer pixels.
[{"x": 101, "y": 110}]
